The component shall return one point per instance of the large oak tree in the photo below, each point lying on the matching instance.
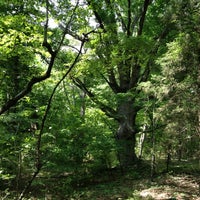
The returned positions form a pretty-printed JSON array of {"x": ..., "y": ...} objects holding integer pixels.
[{"x": 130, "y": 36}]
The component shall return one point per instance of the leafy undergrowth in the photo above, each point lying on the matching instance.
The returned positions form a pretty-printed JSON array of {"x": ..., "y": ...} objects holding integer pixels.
[{"x": 181, "y": 183}]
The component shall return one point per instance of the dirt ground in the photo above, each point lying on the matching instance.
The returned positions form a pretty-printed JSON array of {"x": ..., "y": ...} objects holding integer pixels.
[{"x": 178, "y": 187}]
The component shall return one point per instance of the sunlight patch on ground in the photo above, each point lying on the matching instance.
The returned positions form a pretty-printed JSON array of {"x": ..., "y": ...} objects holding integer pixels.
[
  {"x": 156, "y": 193},
  {"x": 175, "y": 187}
]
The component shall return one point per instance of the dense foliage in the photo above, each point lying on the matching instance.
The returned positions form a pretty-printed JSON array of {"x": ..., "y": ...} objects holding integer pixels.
[{"x": 89, "y": 87}]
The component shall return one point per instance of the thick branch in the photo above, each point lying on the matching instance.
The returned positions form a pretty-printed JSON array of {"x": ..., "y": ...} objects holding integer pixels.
[
  {"x": 112, "y": 81},
  {"x": 82, "y": 86},
  {"x": 142, "y": 18},
  {"x": 106, "y": 109},
  {"x": 135, "y": 74},
  {"x": 136, "y": 19},
  {"x": 124, "y": 75},
  {"x": 129, "y": 19},
  {"x": 98, "y": 17}
]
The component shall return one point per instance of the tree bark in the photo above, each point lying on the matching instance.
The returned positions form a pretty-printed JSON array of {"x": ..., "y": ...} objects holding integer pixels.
[{"x": 126, "y": 133}]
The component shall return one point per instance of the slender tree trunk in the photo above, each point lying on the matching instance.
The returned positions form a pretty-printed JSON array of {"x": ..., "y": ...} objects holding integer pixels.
[
  {"x": 168, "y": 160},
  {"x": 153, "y": 156},
  {"x": 180, "y": 150},
  {"x": 141, "y": 141},
  {"x": 19, "y": 173}
]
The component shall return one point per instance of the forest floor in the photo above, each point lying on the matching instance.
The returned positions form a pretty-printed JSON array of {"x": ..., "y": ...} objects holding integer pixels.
[
  {"x": 182, "y": 182},
  {"x": 174, "y": 187}
]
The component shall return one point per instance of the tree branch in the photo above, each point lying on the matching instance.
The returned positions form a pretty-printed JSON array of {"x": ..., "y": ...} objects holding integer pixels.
[
  {"x": 106, "y": 109},
  {"x": 47, "y": 74},
  {"x": 129, "y": 19},
  {"x": 135, "y": 74},
  {"x": 66, "y": 29},
  {"x": 142, "y": 18},
  {"x": 36, "y": 79},
  {"x": 28, "y": 87},
  {"x": 98, "y": 17},
  {"x": 124, "y": 28},
  {"x": 112, "y": 81},
  {"x": 39, "y": 163}
]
